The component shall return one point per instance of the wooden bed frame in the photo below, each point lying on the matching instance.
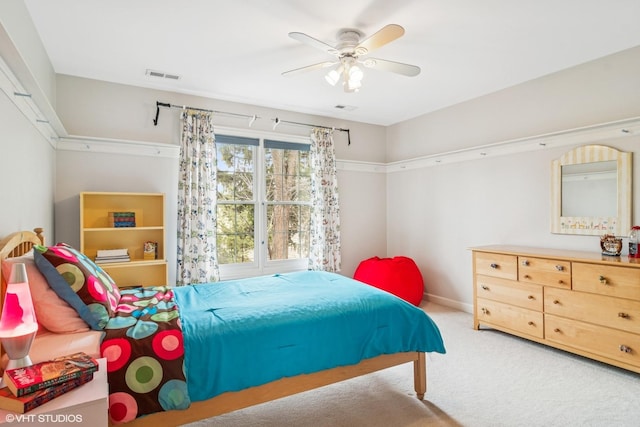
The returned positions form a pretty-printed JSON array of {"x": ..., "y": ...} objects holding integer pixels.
[{"x": 21, "y": 242}]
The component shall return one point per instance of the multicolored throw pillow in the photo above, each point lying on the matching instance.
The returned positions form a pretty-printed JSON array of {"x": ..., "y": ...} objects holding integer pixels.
[{"x": 94, "y": 294}]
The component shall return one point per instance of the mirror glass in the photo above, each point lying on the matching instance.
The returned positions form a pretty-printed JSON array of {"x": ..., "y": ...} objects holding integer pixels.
[{"x": 591, "y": 191}]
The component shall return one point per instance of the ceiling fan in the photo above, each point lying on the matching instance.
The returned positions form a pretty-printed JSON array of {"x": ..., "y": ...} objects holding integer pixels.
[{"x": 348, "y": 52}]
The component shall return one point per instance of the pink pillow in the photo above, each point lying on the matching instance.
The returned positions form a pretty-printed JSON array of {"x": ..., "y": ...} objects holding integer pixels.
[{"x": 52, "y": 312}]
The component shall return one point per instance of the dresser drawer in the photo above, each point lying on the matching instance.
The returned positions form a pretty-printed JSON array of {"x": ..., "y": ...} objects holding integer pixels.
[
  {"x": 508, "y": 291},
  {"x": 606, "y": 342},
  {"x": 515, "y": 319},
  {"x": 543, "y": 271},
  {"x": 613, "y": 312},
  {"x": 623, "y": 282},
  {"x": 496, "y": 265}
]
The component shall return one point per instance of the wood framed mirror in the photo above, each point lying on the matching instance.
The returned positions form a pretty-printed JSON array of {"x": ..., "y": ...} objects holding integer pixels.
[{"x": 591, "y": 191}]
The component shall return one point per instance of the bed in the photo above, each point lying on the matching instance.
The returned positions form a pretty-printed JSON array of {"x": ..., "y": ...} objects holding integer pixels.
[{"x": 252, "y": 334}]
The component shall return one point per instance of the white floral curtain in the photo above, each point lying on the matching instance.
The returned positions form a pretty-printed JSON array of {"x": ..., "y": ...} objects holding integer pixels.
[
  {"x": 324, "y": 253},
  {"x": 197, "y": 257}
]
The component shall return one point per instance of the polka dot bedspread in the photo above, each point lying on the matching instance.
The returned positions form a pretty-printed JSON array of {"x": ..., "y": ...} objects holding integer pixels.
[{"x": 145, "y": 354}]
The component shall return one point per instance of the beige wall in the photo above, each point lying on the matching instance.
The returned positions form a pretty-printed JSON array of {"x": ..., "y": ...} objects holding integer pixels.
[
  {"x": 27, "y": 168},
  {"x": 600, "y": 91},
  {"x": 27, "y": 173}
]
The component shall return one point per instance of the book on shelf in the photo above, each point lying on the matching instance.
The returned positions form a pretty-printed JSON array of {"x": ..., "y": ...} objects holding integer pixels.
[
  {"x": 122, "y": 219},
  {"x": 107, "y": 260},
  {"x": 31, "y": 401},
  {"x": 103, "y": 253},
  {"x": 105, "y": 256},
  {"x": 41, "y": 375},
  {"x": 111, "y": 261}
]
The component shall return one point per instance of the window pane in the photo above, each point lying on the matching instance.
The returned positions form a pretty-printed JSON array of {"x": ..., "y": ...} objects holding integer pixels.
[
  {"x": 288, "y": 231},
  {"x": 235, "y": 233},
  {"x": 243, "y": 186},
  {"x": 235, "y": 171},
  {"x": 304, "y": 188},
  {"x": 225, "y": 185},
  {"x": 288, "y": 175}
]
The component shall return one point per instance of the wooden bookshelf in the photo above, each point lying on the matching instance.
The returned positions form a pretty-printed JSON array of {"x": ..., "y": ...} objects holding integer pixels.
[{"x": 96, "y": 233}]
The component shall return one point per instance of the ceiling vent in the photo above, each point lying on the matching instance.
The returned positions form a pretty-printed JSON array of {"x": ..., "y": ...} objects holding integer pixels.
[
  {"x": 160, "y": 74},
  {"x": 345, "y": 107}
]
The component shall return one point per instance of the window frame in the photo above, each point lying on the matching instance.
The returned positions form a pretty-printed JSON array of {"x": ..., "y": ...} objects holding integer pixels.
[{"x": 261, "y": 265}]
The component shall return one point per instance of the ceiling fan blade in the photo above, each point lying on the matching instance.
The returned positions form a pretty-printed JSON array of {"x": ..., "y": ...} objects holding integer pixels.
[
  {"x": 308, "y": 40},
  {"x": 386, "y": 35},
  {"x": 309, "y": 68},
  {"x": 394, "y": 67}
]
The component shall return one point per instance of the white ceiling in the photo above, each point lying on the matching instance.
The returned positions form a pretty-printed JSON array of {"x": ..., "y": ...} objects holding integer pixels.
[{"x": 236, "y": 50}]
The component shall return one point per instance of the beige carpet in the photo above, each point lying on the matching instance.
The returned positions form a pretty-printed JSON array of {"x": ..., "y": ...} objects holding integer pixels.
[{"x": 487, "y": 378}]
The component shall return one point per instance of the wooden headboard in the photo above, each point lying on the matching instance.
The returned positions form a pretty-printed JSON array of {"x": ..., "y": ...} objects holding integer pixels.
[{"x": 20, "y": 242}]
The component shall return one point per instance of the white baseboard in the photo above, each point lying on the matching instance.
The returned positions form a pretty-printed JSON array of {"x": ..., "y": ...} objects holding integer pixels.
[{"x": 468, "y": 308}]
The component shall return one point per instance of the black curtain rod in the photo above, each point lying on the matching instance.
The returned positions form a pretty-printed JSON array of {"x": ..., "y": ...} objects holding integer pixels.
[
  {"x": 277, "y": 121},
  {"x": 165, "y": 104}
]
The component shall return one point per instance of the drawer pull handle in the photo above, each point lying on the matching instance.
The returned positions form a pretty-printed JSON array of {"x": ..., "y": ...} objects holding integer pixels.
[
  {"x": 603, "y": 280},
  {"x": 560, "y": 282},
  {"x": 557, "y": 330},
  {"x": 485, "y": 287},
  {"x": 623, "y": 315},
  {"x": 531, "y": 297},
  {"x": 525, "y": 262},
  {"x": 560, "y": 267},
  {"x": 555, "y": 301},
  {"x": 526, "y": 276},
  {"x": 530, "y": 323},
  {"x": 494, "y": 265},
  {"x": 625, "y": 349},
  {"x": 484, "y": 310}
]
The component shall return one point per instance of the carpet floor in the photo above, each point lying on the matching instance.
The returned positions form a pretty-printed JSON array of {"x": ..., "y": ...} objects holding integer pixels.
[{"x": 487, "y": 378}]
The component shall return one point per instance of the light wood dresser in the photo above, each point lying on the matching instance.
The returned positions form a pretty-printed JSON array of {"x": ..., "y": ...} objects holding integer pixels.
[{"x": 581, "y": 302}]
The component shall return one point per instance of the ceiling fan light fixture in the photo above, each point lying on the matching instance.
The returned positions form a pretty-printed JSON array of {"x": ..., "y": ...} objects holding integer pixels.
[
  {"x": 355, "y": 74},
  {"x": 352, "y": 77},
  {"x": 352, "y": 86},
  {"x": 349, "y": 49},
  {"x": 333, "y": 76}
]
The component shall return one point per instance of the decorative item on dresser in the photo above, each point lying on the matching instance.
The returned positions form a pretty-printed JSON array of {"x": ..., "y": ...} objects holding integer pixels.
[
  {"x": 611, "y": 245},
  {"x": 581, "y": 302}
]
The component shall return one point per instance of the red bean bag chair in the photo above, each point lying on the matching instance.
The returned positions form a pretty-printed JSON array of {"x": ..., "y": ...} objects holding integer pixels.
[{"x": 398, "y": 275}]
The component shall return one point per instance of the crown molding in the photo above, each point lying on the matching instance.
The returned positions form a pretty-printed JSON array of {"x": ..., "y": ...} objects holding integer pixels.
[
  {"x": 583, "y": 135},
  {"x": 572, "y": 137},
  {"x": 117, "y": 146}
]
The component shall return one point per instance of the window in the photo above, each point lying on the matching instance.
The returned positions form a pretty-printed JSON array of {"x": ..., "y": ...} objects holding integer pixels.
[{"x": 263, "y": 204}]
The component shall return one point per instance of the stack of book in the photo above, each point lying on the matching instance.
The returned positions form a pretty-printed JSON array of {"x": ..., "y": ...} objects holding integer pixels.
[
  {"x": 105, "y": 256},
  {"x": 31, "y": 386},
  {"x": 122, "y": 219}
]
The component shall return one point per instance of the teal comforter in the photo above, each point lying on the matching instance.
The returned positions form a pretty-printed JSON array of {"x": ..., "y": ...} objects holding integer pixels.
[{"x": 248, "y": 332}]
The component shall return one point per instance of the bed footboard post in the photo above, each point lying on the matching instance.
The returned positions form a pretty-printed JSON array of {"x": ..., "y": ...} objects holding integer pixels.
[{"x": 420, "y": 375}]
